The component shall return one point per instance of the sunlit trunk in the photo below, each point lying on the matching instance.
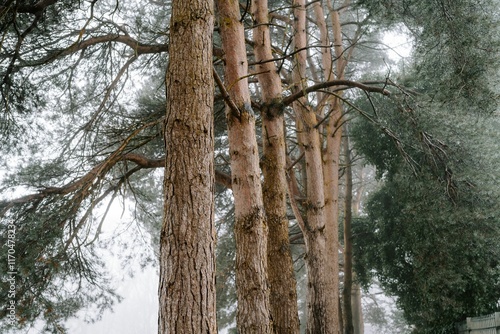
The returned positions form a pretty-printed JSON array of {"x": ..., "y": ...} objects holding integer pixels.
[
  {"x": 253, "y": 315},
  {"x": 187, "y": 241}
]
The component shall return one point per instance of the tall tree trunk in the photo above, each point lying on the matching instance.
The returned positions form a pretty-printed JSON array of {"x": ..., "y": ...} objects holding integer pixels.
[
  {"x": 357, "y": 309},
  {"x": 283, "y": 295},
  {"x": 348, "y": 322},
  {"x": 187, "y": 241},
  {"x": 253, "y": 314},
  {"x": 331, "y": 157},
  {"x": 322, "y": 300}
]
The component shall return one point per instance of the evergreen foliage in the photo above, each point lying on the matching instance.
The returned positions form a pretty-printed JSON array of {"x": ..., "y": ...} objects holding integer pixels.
[
  {"x": 431, "y": 239},
  {"x": 456, "y": 46}
]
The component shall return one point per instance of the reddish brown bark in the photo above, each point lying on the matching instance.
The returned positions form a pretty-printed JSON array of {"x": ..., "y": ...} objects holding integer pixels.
[
  {"x": 283, "y": 295},
  {"x": 322, "y": 300},
  {"x": 187, "y": 241},
  {"x": 333, "y": 70},
  {"x": 253, "y": 315}
]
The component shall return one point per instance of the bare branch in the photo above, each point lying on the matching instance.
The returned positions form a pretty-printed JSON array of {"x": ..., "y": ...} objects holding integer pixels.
[
  {"x": 234, "y": 108},
  {"x": 288, "y": 55},
  {"x": 143, "y": 161},
  {"x": 220, "y": 177},
  {"x": 293, "y": 203},
  {"x": 347, "y": 83},
  {"x": 82, "y": 184},
  {"x": 136, "y": 46}
]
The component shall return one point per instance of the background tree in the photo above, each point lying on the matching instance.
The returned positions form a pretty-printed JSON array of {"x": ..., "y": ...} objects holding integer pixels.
[
  {"x": 424, "y": 222},
  {"x": 348, "y": 254},
  {"x": 426, "y": 237}
]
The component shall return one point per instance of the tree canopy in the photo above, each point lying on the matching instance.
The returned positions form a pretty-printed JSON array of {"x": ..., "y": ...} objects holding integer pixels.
[{"x": 433, "y": 225}]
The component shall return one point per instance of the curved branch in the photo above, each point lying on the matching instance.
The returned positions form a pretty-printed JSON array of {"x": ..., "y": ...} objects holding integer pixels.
[
  {"x": 347, "y": 83},
  {"x": 225, "y": 95},
  {"x": 139, "y": 48},
  {"x": 97, "y": 172},
  {"x": 141, "y": 161},
  {"x": 85, "y": 184},
  {"x": 110, "y": 88},
  {"x": 288, "y": 55}
]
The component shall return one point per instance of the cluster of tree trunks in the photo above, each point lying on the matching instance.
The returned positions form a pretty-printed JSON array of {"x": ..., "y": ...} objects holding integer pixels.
[{"x": 266, "y": 287}]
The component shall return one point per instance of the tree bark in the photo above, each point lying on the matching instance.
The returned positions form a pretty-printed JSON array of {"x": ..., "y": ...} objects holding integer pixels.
[
  {"x": 348, "y": 286},
  {"x": 283, "y": 297},
  {"x": 322, "y": 300},
  {"x": 253, "y": 315},
  {"x": 187, "y": 241},
  {"x": 333, "y": 131}
]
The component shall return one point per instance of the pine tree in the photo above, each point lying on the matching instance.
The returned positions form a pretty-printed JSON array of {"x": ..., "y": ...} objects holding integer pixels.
[{"x": 187, "y": 239}]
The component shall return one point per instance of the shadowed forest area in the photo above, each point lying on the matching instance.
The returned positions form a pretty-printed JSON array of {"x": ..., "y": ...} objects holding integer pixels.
[{"x": 282, "y": 164}]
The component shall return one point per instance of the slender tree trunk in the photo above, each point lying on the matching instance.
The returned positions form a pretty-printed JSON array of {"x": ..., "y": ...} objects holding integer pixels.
[
  {"x": 331, "y": 184},
  {"x": 357, "y": 309},
  {"x": 322, "y": 300},
  {"x": 348, "y": 322},
  {"x": 342, "y": 58},
  {"x": 331, "y": 155},
  {"x": 283, "y": 295},
  {"x": 187, "y": 241},
  {"x": 253, "y": 314},
  {"x": 341, "y": 320}
]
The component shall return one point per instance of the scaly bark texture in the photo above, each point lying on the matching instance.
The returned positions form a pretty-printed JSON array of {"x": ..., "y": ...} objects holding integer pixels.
[
  {"x": 187, "y": 241},
  {"x": 283, "y": 295},
  {"x": 253, "y": 315},
  {"x": 321, "y": 298}
]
